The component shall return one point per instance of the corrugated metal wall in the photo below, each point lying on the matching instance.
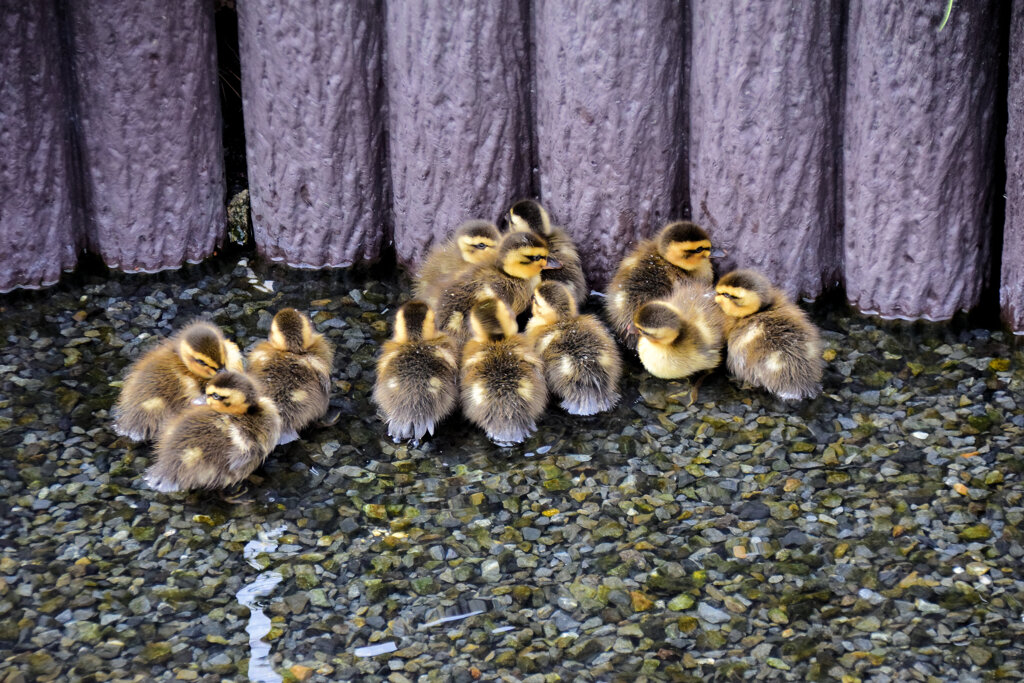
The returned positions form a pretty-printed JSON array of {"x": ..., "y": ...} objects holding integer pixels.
[{"x": 824, "y": 143}]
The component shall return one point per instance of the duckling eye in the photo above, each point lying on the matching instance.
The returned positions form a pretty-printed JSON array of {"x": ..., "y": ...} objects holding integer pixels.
[
  {"x": 698, "y": 250},
  {"x": 536, "y": 257},
  {"x": 480, "y": 245},
  {"x": 215, "y": 396}
]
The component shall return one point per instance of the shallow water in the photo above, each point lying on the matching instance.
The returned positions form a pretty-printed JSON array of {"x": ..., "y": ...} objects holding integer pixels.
[{"x": 871, "y": 531}]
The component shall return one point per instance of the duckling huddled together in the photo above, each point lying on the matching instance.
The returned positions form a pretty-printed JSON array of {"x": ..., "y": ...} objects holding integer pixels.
[
  {"x": 663, "y": 302},
  {"x": 458, "y": 342},
  {"x": 215, "y": 416}
]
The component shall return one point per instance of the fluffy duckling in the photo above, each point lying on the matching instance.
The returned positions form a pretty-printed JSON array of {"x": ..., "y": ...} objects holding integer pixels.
[
  {"x": 416, "y": 374},
  {"x": 529, "y": 215},
  {"x": 294, "y": 367},
  {"x": 166, "y": 379},
  {"x": 681, "y": 335},
  {"x": 503, "y": 389},
  {"x": 474, "y": 242},
  {"x": 680, "y": 253},
  {"x": 771, "y": 343},
  {"x": 511, "y": 278},
  {"x": 218, "y": 442},
  {"x": 581, "y": 361}
]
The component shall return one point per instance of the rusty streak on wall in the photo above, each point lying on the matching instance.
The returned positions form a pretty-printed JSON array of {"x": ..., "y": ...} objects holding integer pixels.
[
  {"x": 764, "y": 136},
  {"x": 313, "y": 101}
]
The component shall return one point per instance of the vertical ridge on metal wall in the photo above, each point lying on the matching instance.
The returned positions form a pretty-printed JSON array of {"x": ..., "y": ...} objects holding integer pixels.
[
  {"x": 1011, "y": 291},
  {"x": 314, "y": 107},
  {"x": 146, "y": 79},
  {"x": 764, "y": 108},
  {"x": 918, "y": 160},
  {"x": 37, "y": 229},
  {"x": 611, "y": 122},
  {"x": 459, "y": 137}
]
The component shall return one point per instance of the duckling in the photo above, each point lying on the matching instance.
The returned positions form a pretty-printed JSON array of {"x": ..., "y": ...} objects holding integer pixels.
[
  {"x": 680, "y": 253},
  {"x": 503, "y": 389},
  {"x": 511, "y": 278},
  {"x": 294, "y": 367},
  {"x": 771, "y": 342},
  {"x": 529, "y": 215},
  {"x": 581, "y": 361},
  {"x": 416, "y": 374},
  {"x": 161, "y": 383},
  {"x": 681, "y": 335},
  {"x": 219, "y": 441},
  {"x": 474, "y": 242}
]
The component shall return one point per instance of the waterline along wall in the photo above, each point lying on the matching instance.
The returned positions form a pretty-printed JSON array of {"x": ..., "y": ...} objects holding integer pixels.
[{"x": 826, "y": 143}]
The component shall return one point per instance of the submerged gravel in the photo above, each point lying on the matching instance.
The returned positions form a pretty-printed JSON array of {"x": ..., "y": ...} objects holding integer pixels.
[{"x": 873, "y": 533}]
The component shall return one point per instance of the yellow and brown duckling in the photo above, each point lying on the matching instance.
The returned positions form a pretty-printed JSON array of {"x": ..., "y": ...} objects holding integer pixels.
[
  {"x": 294, "y": 367},
  {"x": 502, "y": 378},
  {"x": 771, "y": 342},
  {"x": 511, "y": 277},
  {"x": 530, "y": 215},
  {"x": 474, "y": 242},
  {"x": 417, "y": 374},
  {"x": 581, "y": 360},
  {"x": 163, "y": 382},
  {"x": 680, "y": 253},
  {"x": 682, "y": 334},
  {"x": 219, "y": 442}
]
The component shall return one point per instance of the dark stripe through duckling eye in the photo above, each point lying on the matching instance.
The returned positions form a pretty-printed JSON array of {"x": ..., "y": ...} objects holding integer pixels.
[{"x": 698, "y": 250}]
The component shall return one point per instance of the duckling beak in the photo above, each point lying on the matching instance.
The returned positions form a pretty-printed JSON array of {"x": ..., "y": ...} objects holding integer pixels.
[
  {"x": 719, "y": 253},
  {"x": 551, "y": 263},
  {"x": 199, "y": 400}
]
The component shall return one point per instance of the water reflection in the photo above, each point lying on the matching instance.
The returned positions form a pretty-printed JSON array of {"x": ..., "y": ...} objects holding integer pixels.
[{"x": 260, "y": 668}]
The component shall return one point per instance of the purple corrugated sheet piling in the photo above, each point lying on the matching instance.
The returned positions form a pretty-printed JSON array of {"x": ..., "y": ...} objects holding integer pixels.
[
  {"x": 1011, "y": 291},
  {"x": 611, "y": 122},
  {"x": 458, "y": 99},
  {"x": 146, "y": 81},
  {"x": 37, "y": 232},
  {"x": 313, "y": 97},
  {"x": 764, "y": 109},
  {"x": 918, "y": 160}
]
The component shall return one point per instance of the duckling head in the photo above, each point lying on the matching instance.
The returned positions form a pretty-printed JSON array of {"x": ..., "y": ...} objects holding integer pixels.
[
  {"x": 660, "y": 323},
  {"x": 232, "y": 393},
  {"x": 492, "y": 320},
  {"x": 684, "y": 244},
  {"x": 523, "y": 255},
  {"x": 528, "y": 215},
  {"x": 201, "y": 346},
  {"x": 744, "y": 292},
  {"x": 477, "y": 240},
  {"x": 552, "y": 302},
  {"x": 414, "y": 321},
  {"x": 291, "y": 331}
]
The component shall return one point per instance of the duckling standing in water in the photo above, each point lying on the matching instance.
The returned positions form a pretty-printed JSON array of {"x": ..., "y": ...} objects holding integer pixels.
[
  {"x": 474, "y": 242},
  {"x": 680, "y": 253},
  {"x": 294, "y": 367},
  {"x": 681, "y": 335},
  {"x": 529, "y": 215},
  {"x": 218, "y": 442},
  {"x": 163, "y": 382},
  {"x": 581, "y": 361},
  {"x": 416, "y": 374},
  {"x": 502, "y": 378},
  {"x": 511, "y": 278},
  {"x": 771, "y": 342}
]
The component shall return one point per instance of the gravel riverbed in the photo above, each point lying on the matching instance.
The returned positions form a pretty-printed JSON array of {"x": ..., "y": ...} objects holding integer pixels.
[{"x": 874, "y": 533}]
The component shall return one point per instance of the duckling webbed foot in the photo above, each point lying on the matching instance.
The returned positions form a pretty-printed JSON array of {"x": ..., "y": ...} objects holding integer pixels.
[{"x": 237, "y": 494}]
